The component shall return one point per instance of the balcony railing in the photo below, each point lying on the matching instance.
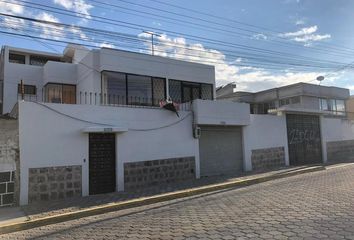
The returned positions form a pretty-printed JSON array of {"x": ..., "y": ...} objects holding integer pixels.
[
  {"x": 94, "y": 98},
  {"x": 27, "y": 97}
]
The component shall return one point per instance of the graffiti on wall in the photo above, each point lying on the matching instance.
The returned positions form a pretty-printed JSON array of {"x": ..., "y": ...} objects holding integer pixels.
[{"x": 297, "y": 136}]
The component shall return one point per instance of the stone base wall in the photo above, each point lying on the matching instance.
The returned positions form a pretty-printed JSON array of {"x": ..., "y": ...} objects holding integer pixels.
[
  {"x": 7, "y": 188},
  {"x": 53, "y": 183},
  {"x": 268, "y": 158},
  {"x": 340, "y": 151},
  {"x": 9, "y": 161},
  {"x": 149, "y": 173}
]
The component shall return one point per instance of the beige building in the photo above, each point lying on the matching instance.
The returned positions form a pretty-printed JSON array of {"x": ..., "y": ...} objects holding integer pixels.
[{"x": 350, "y": 107}]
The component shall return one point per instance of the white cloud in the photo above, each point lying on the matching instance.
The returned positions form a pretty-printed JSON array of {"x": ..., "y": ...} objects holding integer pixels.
[
  {"x": 106, "y": 45},
  {"x": 48, "y": 30},
  {"x": 301, "y": 32},
  {"x": 305, "y": 35},
  {"x": 79, "y": 6},
  {"x": 11, "y": 7},
  {"x": 259, "y": 36},
  {"x": 79, "y": 33},
  {"x": 13, "y": 23},
  {"x": 350, "y": 87},
  {"x": 57, "y": 32},
  {"x": 156, "y": 23},
  {"x": 248, "y": 78},
  {"x": 300, "y": 22}
]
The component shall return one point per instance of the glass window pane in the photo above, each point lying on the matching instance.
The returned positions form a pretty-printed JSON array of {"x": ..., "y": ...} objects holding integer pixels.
[
  {"x": 331, "y": 105},
  {"x": 16, "y": 58},
  {"x": 174, "y": 88},
  {"x": 139, "y": 90},
  {"x": 323, "y": 104},
  {"x": 340, "y": 107},
  {"x": 207, "y": 91},
  {"x": 186, "y": 94},
  {"x": 53, "y": 93},
  {"x": 195, "y": 92},
  {"x": 38, "y": 61},
  {"x": 114, "y": 88},
  {"x": 158, "y": 90},
  {"x": 69, "y": 94},
  {"x": 28, "y": 89}
]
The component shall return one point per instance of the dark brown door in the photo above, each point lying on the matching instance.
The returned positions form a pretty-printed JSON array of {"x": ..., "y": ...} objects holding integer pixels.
[
  {"x": 304, "y": 139},
  {"x": 102, "y": 163}
]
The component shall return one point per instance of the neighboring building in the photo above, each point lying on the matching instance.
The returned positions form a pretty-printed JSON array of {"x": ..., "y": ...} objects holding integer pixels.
[
  {"x": 350, "y": 107},
  {"x": 300, "y": 96}
]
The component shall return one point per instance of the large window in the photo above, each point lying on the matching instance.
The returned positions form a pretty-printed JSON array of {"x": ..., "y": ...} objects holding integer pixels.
[
  {"x": 336, "y": 106},
  {"x": 182, "y": 91},
  {"x": 288, "y": 101},
  {"x": 40, "y": 60},
  {"x": 16, "y": 58},
  {"x": 60, "y": 93},
  {"x": 122, "y": 88},
  {"x": 27, "y": 89}
]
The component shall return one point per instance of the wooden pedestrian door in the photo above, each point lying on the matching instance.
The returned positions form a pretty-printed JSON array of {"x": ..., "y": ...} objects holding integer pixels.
[
  {"x": 102, "y": 163},
  {"x": 304, "y": 139}
]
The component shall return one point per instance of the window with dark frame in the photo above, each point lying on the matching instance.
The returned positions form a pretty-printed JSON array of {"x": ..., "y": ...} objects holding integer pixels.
[
  {"x": 60, "y": 93},
  {"x": 27, "y": 89},
  {"x": 132, "y": 89},
  {"x": 17, "y": 58},
  {"x": 183, "y": 91},
  {"x": 41, "y": 60}
]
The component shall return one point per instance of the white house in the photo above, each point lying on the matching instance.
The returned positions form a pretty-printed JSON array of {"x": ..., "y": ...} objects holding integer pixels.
[{"x": 91, "y": 122}]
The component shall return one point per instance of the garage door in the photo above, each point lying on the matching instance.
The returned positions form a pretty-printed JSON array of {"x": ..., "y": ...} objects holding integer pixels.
[{"x": 220, "y": 150}]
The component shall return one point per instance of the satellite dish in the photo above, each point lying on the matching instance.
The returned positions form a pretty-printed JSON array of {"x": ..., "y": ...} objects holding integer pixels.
[{"x": 320, "y": 78}]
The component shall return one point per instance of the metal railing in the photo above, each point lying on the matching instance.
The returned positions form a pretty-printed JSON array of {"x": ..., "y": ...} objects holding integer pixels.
[
  {"x": 27, "y": 97},
  {"x": 94, "y": 98}
]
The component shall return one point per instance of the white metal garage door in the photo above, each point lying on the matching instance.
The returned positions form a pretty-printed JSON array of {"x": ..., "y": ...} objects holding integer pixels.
[{"x": 220, "y": 150}]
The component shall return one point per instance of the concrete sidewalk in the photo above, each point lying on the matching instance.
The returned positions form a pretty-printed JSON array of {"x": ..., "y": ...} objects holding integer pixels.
[
  {"x": 9, "y": 215},
  {"x": 35, "y": 215}
]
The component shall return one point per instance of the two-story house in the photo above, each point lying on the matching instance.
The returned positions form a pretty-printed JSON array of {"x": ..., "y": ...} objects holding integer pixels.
[
  {"x": 91, "y": 121},
  {"x": 299, "y": 96}
]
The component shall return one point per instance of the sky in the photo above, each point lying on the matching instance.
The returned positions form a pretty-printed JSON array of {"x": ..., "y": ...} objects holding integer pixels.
[{"x": 255, "y": 43}]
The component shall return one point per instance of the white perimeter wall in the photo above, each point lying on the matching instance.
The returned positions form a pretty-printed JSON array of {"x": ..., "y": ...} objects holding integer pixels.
[
  {"x": 264, "y": 131},
  {"x": 333, "y": 129},
  {"x": 48, "y": 138}
]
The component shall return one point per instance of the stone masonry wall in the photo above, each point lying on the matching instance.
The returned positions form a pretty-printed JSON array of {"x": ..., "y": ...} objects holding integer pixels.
[
  {"x": 7, "y": 188},
  {"x": 268, "y": 158},
  {"x": 340, "y": 151},
  {"x": 53, "y": 183},
  {"x": 149, "y": 173},
  {"x": 9, "y": 161}
]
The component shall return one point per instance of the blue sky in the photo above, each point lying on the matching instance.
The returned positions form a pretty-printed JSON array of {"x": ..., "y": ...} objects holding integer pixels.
[{"x": 257, "y": 44}]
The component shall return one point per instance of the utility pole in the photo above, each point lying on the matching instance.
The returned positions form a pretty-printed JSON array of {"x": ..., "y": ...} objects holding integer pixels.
[{"x": 152, "y": 39}]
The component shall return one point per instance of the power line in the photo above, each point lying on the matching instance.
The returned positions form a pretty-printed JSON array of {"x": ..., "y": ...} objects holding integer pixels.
[
  {"x": 345, "y": 48},
  {"x": 137, "y": 40},
  {"x": 138, "y": 27}
]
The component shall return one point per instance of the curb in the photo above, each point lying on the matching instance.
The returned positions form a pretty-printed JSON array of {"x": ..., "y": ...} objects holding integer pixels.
[{"x": 148, "y": 200}]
